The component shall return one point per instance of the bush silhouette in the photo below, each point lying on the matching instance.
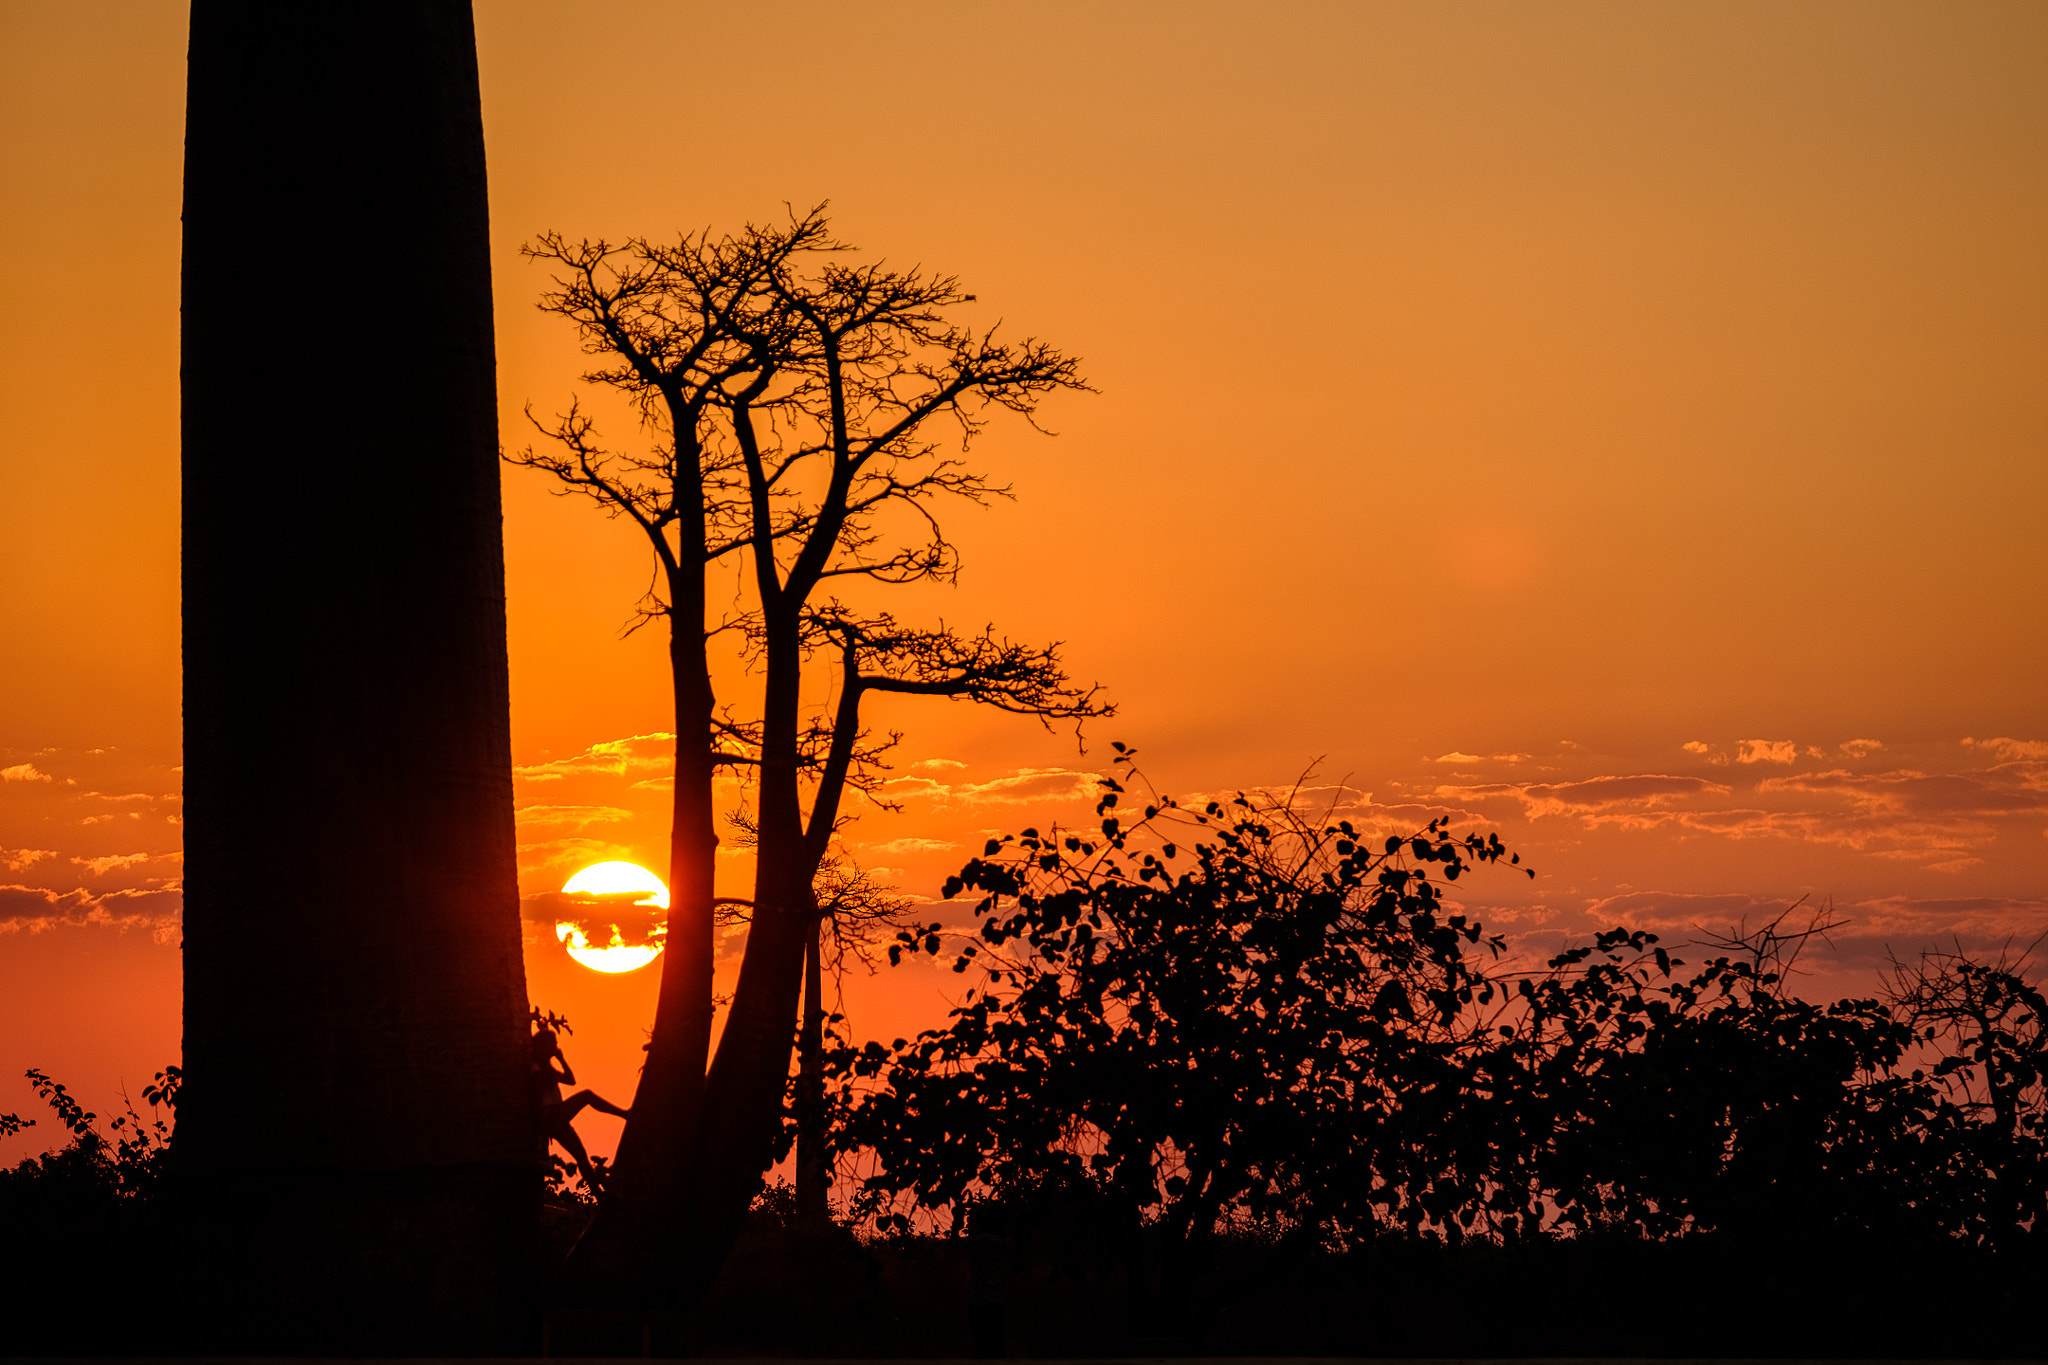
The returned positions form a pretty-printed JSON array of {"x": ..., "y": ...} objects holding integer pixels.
[
  {"x": 83, "y": 1252},
  {"x": 1246, "y": 1019}
]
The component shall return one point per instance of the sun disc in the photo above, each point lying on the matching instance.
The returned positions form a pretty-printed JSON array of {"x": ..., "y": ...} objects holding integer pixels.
[{"x": 612, "y": 879}]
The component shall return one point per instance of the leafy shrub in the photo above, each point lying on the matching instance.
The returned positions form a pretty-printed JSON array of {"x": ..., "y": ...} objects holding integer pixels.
[
  {"x": 86, "y": 1264},
  {"x": 1246, "y": 1018},
  {"x": 128, "y": 1165}
]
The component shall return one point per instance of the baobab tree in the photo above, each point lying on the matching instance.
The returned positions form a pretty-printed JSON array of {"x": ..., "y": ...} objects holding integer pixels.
[
  {"x": 354, "y": 1136},
  {"x": 857, "y": 918},
  {"x": 791, "y": 401}
]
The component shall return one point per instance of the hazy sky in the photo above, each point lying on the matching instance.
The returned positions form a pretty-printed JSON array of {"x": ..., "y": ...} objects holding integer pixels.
[{"x": 1622, "y": 425}]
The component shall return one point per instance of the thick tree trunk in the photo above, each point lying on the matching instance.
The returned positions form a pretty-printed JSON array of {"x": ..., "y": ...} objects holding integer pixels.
[
  {"x": 749, "y": 1077},
  {"x": 631, "y": 1254},
  {"x": 692, "y": 1155},
  {"x": 354, "y": 1138}
]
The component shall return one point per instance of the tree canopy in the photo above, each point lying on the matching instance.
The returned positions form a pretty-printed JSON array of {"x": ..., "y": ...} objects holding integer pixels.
[
  {"x": 1245, "y": 1016},
  {"x": 791, "y": 400}
]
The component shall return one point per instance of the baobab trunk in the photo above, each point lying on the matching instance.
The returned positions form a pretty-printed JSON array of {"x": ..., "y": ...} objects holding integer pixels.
[
  {"x": 634, "y": 1253},
  {"x": 355, "y": 1146}
]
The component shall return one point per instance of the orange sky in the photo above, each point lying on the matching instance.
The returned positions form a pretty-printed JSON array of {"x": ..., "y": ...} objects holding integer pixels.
[{"x": 1600, "y": 420}]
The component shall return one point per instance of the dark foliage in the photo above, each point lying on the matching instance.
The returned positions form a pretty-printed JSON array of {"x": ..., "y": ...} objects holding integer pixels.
[
  {"x": 1194, "y": 1041},
  {"x": 94, "y": 1169},
  {"x": 82, "y": 1228},
  {"x": 1246, "y": 1019}
]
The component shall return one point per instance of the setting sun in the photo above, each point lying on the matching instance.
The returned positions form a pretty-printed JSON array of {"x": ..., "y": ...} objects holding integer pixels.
[{"x": 611, "y": 879}]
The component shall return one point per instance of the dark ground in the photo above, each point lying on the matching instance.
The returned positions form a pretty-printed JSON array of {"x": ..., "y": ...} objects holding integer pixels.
[
  {"x": 1086, "y": 1297},
  {"x": 91, "y": 1281},
  {"x": 1079, "y": 1360}
]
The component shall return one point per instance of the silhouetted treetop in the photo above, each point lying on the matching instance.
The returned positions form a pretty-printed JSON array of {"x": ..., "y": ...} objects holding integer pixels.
[{"x": 799, "y": 385}]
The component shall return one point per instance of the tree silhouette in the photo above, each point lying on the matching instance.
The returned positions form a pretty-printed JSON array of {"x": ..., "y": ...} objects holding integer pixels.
[
  {"x": 1197, "y": 1013},
  {"x": 1983, "y": 1029},
  {"x": 354, "y": 991},
  {"x": 788, "y": 395},
  {"x": 856, "y": 914},
  {"x": 1247, "y": 1016}
]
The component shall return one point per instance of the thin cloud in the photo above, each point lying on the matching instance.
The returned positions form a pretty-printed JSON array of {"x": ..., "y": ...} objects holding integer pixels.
[
  {"x": 1767, "y": 751},
  {"x": 1939, "y": 821},
  {"x": 594, "y": 914},
  {"x": 1867, "y": 934},
  {"x": 1362, "y": 808},
  {"x": 1663, "y": 911},
  {"x": 613, "y": 757},
  {"x": 1986, "y": 792},
  {"x": 37, "y": 909},
  {"x": 1595, "y": 799},
  {"x": 2011, "y": 750},
  {"x": 28, "y": 772},
  {"x": 572, "y": 849},
  {"x": 914, "y": 845},
  {"x": 15, "y": 859},
  {"x": 1025, "y": 786},
  {"x": 579, "y": 816},
  {"x": 1940, "y": 844},
  {"x": 112, "y": 862},
  {"x": 1977, "y": 917}
]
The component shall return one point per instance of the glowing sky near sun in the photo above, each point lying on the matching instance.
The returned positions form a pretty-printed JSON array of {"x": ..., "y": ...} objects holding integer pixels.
[{"x": 1621, "y": 426}]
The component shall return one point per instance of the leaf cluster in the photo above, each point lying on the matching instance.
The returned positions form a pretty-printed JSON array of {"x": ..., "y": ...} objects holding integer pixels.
[
  {"x": 1246, "y": 1015},
  {"x": 128, "y": 1162}
]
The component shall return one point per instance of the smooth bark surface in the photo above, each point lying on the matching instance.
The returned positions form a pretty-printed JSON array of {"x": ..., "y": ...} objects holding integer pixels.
[{"x": 354, "y": 1134}]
